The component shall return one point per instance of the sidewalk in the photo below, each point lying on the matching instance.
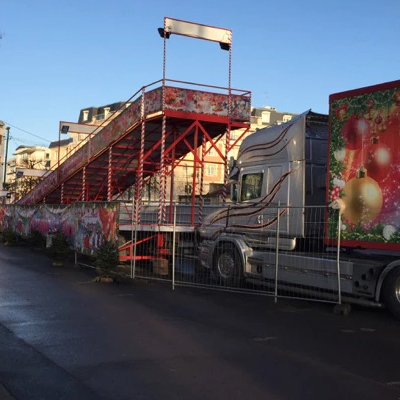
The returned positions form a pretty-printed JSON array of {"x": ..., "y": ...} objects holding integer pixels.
[{"x": 4, "y": 394}]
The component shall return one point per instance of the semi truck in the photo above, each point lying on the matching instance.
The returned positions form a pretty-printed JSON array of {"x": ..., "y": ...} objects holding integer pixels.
[{"x": 347, "y": 166}]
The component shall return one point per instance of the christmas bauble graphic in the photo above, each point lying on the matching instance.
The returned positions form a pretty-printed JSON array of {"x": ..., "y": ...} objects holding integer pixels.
[{"x": 363, "y": 199}]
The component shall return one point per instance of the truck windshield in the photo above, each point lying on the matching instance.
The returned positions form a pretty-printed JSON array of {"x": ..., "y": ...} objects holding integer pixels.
[{"x": 251, "y": 186}]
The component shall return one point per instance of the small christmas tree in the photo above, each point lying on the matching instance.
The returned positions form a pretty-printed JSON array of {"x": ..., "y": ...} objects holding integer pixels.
[
  {"x": 107, "y": 257},
  {"x": 59, "y": 248},
  {"x": 10, "y": 238},
  {"x": 36, "y": 239}
]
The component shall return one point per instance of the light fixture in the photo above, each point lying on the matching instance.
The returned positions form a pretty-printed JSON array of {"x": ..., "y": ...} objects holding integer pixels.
[
  {"x": 65, "y": 129},
  {"x": 198, "y": 31},
  {"x": 224, "y": 46},
  {"x": 161, "y": 33}
]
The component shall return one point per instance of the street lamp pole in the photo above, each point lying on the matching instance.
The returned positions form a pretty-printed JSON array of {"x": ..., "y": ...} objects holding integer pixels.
[
  {"x": 5, "y": 157},
  {"x": 64, "y": 130}
]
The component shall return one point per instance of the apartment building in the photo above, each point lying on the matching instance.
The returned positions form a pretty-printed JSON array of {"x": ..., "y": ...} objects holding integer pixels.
[
  {"x": 25, "y": 168},
  {"x": 98, "y": 115}
]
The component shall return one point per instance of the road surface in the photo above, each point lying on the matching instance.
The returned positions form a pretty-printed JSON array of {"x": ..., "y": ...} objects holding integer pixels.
[{"x": 64, "y": 337}]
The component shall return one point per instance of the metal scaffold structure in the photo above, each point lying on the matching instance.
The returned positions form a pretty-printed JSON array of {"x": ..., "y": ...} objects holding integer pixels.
[{"x": 155, "y": 129}]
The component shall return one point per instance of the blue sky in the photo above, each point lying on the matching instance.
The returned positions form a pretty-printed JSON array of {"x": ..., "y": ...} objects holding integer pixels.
[{"x": 57, "y": 56}]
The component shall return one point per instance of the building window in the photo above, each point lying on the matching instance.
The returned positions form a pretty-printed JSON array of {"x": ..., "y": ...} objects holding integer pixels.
[
  {"x": 287, "y": 118},
  {"x": 85, "y": 115},
  {"x": 211, "y": 170},
  {"x": 212, "y": 152},
  {"x": 47, "y": 156},
  {"x": 266, "y": 117}
]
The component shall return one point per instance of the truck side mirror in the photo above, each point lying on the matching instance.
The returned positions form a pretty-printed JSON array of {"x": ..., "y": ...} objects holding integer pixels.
[{"x": 234, "y": 196}]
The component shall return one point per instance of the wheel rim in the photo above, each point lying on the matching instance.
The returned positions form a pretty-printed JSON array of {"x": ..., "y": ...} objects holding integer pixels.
[
  {"x": 397, "y": 289},
  {"x": 226, "y": 265}
]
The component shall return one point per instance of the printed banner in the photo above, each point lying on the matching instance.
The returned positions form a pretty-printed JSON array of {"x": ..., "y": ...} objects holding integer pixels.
[
  {"x": 23, "y": 216},
  {"x": 95, "y": 223},
  {"x": 206, "y": 103},
  {"x": 53, "y": 218},
  {"x": 6, "y": 216},
  {"x": 87, "y": 225},
  {"x": 364, "y": 165}
]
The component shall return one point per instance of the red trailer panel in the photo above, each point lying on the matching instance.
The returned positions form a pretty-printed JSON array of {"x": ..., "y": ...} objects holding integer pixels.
[{"x": 364, "y": 165}]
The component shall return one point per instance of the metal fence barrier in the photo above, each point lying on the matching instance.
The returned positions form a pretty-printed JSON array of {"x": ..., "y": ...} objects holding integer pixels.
[
  {"x": 268, "y": 266},
  {"x": 308, "y": 272}
]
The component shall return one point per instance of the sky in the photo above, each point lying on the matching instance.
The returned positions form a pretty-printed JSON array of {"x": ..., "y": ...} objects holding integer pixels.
[{"x": 58, "y": 57}]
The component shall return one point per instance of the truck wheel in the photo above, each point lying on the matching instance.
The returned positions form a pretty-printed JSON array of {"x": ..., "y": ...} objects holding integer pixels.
[
  {"x": 227, "y": 265},
  {"x": 391, "y": 292}
]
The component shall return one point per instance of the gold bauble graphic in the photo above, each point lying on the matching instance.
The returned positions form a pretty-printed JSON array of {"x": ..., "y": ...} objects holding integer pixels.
[{"x": 363, "y": 199}]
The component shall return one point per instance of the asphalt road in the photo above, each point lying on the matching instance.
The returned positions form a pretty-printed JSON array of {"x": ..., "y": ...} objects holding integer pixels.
[{"x": 65, "y": 337}]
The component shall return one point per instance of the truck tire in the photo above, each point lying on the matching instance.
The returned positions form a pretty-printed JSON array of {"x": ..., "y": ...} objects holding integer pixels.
[
  {"x": 391, "y": 292},
  {"x": 227, "y": 265}
]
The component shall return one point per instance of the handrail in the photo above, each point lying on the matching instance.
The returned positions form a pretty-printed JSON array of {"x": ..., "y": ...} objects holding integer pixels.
[
  {"x": 210, "y": 86},
  {"x": 123, "y": 107},
  {"x": 92, "y": 151}
]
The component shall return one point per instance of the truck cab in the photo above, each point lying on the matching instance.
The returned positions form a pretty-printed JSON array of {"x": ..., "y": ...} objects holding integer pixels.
[{"x": 277, "y": 167}]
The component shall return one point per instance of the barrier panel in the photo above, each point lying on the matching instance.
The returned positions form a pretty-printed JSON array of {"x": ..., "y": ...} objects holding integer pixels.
[
  {"x": 151, "y": 249},
  {"x": 311, "y": 270},
  {"x": 151, "y": 252},
  {"x": 266, "y": 262},
  {"x": 85, "y": 224}
]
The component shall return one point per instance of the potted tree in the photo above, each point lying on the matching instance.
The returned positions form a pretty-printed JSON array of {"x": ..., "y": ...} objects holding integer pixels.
[
  {"x": 59, "y": 249},
  {"x": 10, "y": 238},
  {"x": 36, "y": 240},
  {"x": 106, "y": 260}
]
